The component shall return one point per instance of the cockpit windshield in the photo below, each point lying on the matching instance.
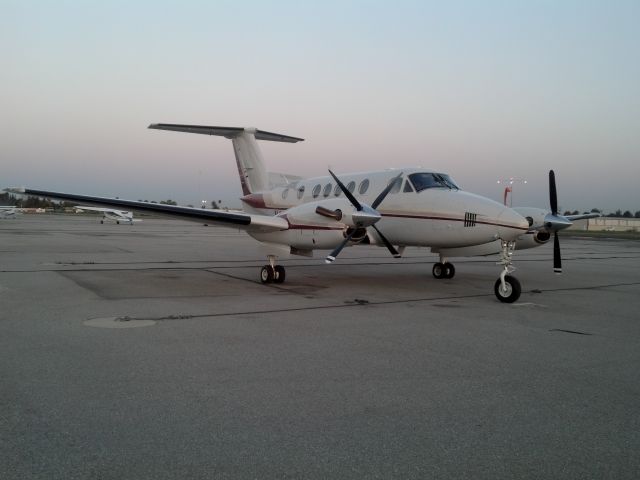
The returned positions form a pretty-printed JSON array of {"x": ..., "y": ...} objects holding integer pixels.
[{"x": 422, "y": 181}]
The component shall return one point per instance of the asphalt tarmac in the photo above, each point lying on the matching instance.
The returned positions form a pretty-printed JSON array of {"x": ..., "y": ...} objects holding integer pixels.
[{"x": 152, "y": 351}]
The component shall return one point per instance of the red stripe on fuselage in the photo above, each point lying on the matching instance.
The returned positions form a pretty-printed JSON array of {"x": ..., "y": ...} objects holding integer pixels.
[{"x": 450, "y": 219}]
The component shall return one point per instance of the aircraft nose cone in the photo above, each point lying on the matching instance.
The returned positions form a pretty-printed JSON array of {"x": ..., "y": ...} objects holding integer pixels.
[{"x": 512, "y": 224}]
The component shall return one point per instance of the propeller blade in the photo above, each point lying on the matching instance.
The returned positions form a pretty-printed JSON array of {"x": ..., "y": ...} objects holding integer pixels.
[
  {"x": 347, "y": 193},
  {"x": 553, "y": 196},
  {"x": 557, "y": 260},
  {"x": 387, "y": 243},
  {"x": 332, "y": 256},
  {"x": 384, "y": 193}
]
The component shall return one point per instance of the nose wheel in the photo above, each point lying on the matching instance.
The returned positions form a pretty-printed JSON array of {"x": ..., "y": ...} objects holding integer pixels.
[
  {"x": 272, "y": 273},
  {"x": 508, "y": 292}
]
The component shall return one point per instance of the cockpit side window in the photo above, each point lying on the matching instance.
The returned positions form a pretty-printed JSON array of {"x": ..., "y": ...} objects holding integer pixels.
[{"x": 407, "y": 186}]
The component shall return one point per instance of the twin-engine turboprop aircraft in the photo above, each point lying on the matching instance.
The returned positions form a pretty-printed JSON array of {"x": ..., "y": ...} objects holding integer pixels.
[{"x": 395, "y": 209}]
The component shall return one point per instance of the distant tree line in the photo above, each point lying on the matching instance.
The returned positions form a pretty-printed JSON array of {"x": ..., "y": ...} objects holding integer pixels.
[
  {"x": 161, "y": 202},
  {"x": 28, "y": 201},
  {"x": 617, "y": 214}
]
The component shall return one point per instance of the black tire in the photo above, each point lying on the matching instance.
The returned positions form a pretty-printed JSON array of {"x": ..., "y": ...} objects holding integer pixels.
[
  {"x": 449, "y": 270},
  {"x": 512, "y": 292},
  {"x": 101, "y": 221},
  {"x": 266, "y": 274},
  {"x": 279, "y": 275},
  {"x": 438, "y": 270}
]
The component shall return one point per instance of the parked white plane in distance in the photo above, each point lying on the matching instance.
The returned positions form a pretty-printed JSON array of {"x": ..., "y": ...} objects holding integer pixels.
[
  {"x": 118, "y": 216},
  {"x": 8, "y": 211},
  {"x": 395, "y": 209}
]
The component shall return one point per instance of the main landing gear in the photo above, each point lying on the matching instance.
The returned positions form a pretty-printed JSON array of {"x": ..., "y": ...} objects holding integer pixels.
[
  {"x": 272, "y": 273},
  {"x": 507, "y": 288},
  {"x": 443, "y": 269}
]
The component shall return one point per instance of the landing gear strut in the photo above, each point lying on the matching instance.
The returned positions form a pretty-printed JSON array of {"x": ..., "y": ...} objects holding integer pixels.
[
  {"x": 272, "y": 273},
  {"x": 507, "y": 288},
  {"x": 443, "y": 269}
]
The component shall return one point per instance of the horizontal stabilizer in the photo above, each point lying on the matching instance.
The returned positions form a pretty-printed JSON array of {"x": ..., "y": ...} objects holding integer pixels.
[{"x": 228, "y": 132}]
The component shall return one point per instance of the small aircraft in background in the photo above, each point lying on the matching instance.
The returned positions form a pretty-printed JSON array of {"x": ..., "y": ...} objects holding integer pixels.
[
  {"x": 9, "y": 211},
  {"x": 394, "y": 209},
  {"x": 118, "y": 216}
]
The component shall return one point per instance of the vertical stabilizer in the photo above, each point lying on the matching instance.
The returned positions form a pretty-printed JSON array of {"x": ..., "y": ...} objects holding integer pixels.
[{"x": 251, "y": 169}]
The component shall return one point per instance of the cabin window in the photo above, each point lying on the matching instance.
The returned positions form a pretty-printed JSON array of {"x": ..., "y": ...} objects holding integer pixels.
[
  {"x": 351, "y": 186},
  {"x": 316, "y": 191},
  {"x": 285, "y": 192},
  {"x": 301, "y": 191},
  {"x": 337, "y": 191},
  {"x": 364, "y": 186},
  {"x": 327, "y": 190}
]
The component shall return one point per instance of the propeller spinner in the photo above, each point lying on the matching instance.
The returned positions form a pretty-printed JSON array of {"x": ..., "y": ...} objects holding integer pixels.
[{"x": 364, "y": 216}]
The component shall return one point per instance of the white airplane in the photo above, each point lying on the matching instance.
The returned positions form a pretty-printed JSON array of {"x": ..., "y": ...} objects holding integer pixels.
[
  {"x": 117, "y": 216},
  {"x": 410, "y": 207},
  {"x": 8, "y": 211}
]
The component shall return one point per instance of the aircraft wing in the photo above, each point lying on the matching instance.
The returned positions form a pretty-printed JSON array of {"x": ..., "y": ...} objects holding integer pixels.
[
  {"x": 571, "y": 218},
  {"x": 236, "y": 219}
]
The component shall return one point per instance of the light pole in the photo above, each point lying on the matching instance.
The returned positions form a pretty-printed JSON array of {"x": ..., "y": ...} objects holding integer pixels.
[{"x": 509, "y": 187}]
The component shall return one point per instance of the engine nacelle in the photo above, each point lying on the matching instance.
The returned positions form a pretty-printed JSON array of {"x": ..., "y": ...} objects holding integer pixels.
[
  {"x": 316, "y": 225},
  {"x": 532, "y": 239},
  {"x": 331, "y": 211},
  {"x": 535, "y": 216}
]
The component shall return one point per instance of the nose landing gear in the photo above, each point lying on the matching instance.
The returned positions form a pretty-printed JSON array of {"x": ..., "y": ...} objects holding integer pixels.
[{"x": 507, "y": 288}]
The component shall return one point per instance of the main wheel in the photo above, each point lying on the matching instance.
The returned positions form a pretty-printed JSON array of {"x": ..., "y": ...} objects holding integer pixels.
[
  {"x": 279, "y": 274},
  {"x": 266, "y": 274},
  {"x": 449, "y": 270},
  {"x": 512, "y": 291},
  {"x": 438, "y": 270}
]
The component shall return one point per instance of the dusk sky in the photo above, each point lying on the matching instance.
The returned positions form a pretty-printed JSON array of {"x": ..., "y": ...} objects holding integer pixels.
[{"x": 481, "y": 90}]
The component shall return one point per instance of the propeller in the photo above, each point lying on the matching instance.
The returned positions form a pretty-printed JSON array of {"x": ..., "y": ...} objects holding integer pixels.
[
  {"x": 364, "y": 216},
  {"x": 555, "y": 222}
]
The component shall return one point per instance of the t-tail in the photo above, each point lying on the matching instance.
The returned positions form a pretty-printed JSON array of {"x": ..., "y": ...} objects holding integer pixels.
[{"x": 251, "y": 168}]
